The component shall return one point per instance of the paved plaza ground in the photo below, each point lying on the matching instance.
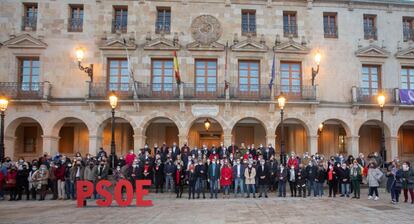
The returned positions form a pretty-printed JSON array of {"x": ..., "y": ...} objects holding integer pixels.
[{"x": 168, "y": 209}]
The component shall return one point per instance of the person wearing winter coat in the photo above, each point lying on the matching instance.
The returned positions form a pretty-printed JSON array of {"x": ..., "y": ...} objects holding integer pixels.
[
  {"x": 356, "y": 177},
  {"x": 191, "y": 180},
  {"x": 250, "y": 180},
  {"x": 41, "y": 177},
  {"x": 179, "y": 178},
  {"x": 282, "y": 175},
  {"x": 332, "y": 181},
  {"x": 311, "y": 170},
  {"x": 53, "y": 181},
  {"x": 169, "y": 170},
  {"x": 292, "y": 180},
  {"x": 214, "y": 177},
  {"x": 11, "y": 182},
  {"x": 374, "y": 178},
  {"x": 319, "y": 181},
  {"x": 22, "y": 182},
  {"x": 134, "y": 172},
  {"x": 407, "y": 177},
  {"x": 238, "y": 176},
  {"x": 300, "y": 176},
  {"x": 344, "y": 179},
  {"x": 262, "y": 172},
  {"x": 394, "y": 174},
  {"x": 159, "y": 175},
  {"x": 201, "y": 174},
  {"x": 60, "y": 177},
  {"x": 226, "y": 179}
]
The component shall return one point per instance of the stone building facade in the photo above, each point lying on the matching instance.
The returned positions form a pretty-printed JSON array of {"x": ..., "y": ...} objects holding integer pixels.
[{"x": 366, "y": 47}]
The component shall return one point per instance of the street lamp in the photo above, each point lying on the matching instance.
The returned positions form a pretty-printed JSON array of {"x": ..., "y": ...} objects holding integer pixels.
[
  {"x": 381, "y": 103},
  {"x": 80, "y": 53},
  {"x": 113, "y": 101},
  {"x": 316, "y": 71},
  {"x": 281, "y": 101},
  {"x": 3, "y": 107}
]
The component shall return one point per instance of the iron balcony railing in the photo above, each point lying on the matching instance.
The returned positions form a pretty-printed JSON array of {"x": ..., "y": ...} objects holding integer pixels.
[
  {"x": 203, "y": 91},
  {"x": 408, "y": 34},
  {"x": 250, "y": 92},
  {"x": 370, "y": 95},
  {"x": 102, "y": 90},
  {"x": 22, "y": 90},
  {"x": 296, "y": 93},
  {"x": 29, "y": 23},
  {"x": 75, "y": 24},
  {"x": 370, "y": 33},
  {"x": 119, "y": 26},
  {"x": 157, "y": 91}
]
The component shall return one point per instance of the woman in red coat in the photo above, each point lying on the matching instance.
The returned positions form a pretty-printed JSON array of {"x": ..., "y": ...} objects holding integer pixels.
[
  {"x": 226, "y": 178},
  {"x": 11, "y": 183}
]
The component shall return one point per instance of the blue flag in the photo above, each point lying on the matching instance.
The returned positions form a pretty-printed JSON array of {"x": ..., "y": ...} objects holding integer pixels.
[{"x": 273, "y": 73}]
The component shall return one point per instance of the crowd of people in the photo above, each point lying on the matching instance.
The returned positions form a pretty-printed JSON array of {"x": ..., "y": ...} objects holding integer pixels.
[{"x": 244, "y": 171}]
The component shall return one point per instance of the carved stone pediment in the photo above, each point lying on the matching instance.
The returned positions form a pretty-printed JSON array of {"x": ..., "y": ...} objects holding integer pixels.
[
  {"x": 407, "y": 53},
  {"x": 197, "y": 46},
  {"x": 118, "y": 44},
  {"x": 25, "y": 41},
  {"x": 162, "y": 44},
  {"x": 250, "y": 45},
  {"x": 291, "y": 47},
  {"x": 372, "y": 51}
]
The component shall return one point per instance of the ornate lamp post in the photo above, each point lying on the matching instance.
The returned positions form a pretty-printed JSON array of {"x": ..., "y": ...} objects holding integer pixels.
[
  {"x": 113, "y": 101},
  {"x": 3, "y": 107},
  {"x": 383, "y": 152},
  {"x": 281, "y": 101},
  {"x": 89, "y": 70},
  {"x": 207, "y": 124},
  {"x": 316, "y": 71}
]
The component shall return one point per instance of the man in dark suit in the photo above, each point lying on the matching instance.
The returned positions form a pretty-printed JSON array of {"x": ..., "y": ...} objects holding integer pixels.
[
  {"x": 214, "y": 177},
  {"x": 273, "y": 166},
  {"x": 175, "y": 151},
  {"x": 263, "y": 175},
  {"x": 201, "y": 174},
  {"x": 238, "y": 176}
]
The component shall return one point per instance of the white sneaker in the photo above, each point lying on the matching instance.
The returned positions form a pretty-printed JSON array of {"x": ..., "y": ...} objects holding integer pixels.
[
  {"x": 369, "y": 197},
  {"x": 376, "y": 198}
]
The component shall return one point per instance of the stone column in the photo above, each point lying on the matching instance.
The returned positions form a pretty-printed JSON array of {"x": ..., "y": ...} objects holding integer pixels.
[
  {"x": 9, "y": 146},
  {"x": 392, "y": 150},
  {"x": 313, "y": 144},
  {"x": 50, "y": 144},
  {"x": 95, "y": 142},
  {"x": 227, "y": 139},
  {"x": 139, "y": 142},
  {"x": 271, "y": 139},
  {"x": 182, "y": 139},
  {"x": 352, "y": 145}
]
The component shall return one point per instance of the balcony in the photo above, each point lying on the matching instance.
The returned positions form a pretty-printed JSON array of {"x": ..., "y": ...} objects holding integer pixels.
[
  {"x": 24, "y": 91},
  {"x": 370, "y": 33},
  {"x": 369, "y": 96},
  {"x": 408, "y": 34},
  {"x": 162, "y": 91},
  {"x": 250, "y": 92},
  {"x": 203, "y": 91},
  {"x": 119, "y": 26},
  {"x": 297, "y": 93},
  {"x": 290, "y": 30},
  {"x": 75, "y": 24},
  {"x": 102, "y": 90},
  {"x": 29, "y": 23}
]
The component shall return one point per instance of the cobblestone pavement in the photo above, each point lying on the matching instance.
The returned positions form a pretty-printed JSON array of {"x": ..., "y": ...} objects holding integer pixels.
[{"x": 168, "y": 209}]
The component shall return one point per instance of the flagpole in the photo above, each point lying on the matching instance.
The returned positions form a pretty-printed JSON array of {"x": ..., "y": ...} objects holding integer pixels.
[
  {"x": 226, "y": 83},
  {"x": 130, "y": 72}
]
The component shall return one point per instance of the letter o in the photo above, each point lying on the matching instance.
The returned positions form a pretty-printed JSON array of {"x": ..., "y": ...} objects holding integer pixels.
[{"x": 118, "y": 193}]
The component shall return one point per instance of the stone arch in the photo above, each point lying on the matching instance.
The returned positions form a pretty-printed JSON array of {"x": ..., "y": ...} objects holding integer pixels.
[
  {"x": 158, "y": 130},
  {"x": 297, "y": 135},
  {"x": 249, "y": 132},
  {"x": 333, "y": 137},
  {"x": 197, "y": 136},
  {"x": 406, "y": 140},
  {"x": 369, "y": 133},
  {"x": 107, "y": 116},
  {"x": 143, "y": 125}
]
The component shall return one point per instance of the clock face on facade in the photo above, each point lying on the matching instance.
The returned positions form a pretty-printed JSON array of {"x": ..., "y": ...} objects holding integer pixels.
[{"x": 206, "y": 29}]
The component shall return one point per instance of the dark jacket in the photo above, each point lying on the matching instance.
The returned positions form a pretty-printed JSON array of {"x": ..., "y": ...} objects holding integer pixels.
[
  {"x": 216, "y": 174},
  {"x": 201, "y": 171},
  {"x": 169, "y": 168},
  {"x": 241, "y": 171},
  {"x": 344, "y": 176},
  {"x": 300, "y": 176},
  {"x": 159, "y": 174},
  {"x": 311, "y": 172},
  {"x": 282, "y": 175},
  {"x": 320, "y": 175},
  {"x": 262, "y": 173},
  {"x": 137, "y": 171}
]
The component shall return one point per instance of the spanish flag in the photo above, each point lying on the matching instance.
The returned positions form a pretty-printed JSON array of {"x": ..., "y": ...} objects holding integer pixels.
[{"x": 176, "y": 69}]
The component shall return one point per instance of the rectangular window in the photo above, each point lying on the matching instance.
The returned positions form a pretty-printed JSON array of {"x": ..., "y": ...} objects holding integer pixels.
[
  {"x": 330, "y": 27},
  {"x": 408, "y": 28},
  {"x": 370, "y": 27},
  {"x": 118, "y": 78},
  {"x": 248, "y": 22},
  {"x": 249, "y": 78},
  {"x": 162, "y": 76},
  {"x": 407, "y": 78},
  {"x": 291, "y": 77},
  {"x": 30, "y": 16},
  {"x": 163, "y": 23},
  {"x": 371, "y": 80},
  {"x": 29, "y": 74},
  {"x": 29, "y": 139},
  {"x": 120, "y": 20},
  {"x": 290, "y": 26},
  {"x": 205, "y": 77},
  {"x": 75, "y": 23}
]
